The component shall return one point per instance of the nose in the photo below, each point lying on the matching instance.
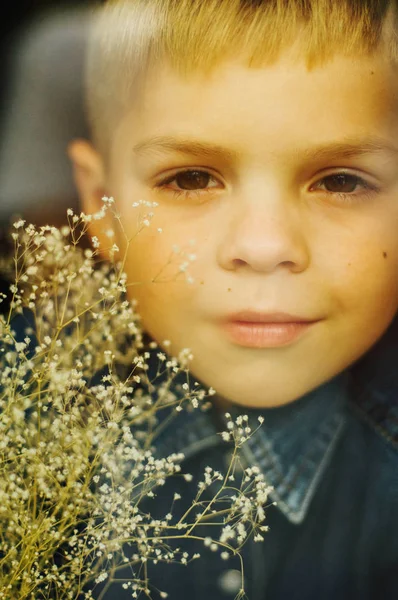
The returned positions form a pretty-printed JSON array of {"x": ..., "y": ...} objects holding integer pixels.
[{"x": 264, "y": 234}]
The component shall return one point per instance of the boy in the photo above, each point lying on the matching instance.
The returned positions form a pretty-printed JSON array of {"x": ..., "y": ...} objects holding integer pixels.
[{"x": 267, "y": 132}]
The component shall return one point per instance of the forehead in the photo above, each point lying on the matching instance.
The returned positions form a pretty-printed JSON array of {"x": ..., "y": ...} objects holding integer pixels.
[{"x": 282, "y": 104}]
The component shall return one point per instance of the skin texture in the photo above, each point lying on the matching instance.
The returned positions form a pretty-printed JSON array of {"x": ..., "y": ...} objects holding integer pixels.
[{"x": 272, "y": 234}]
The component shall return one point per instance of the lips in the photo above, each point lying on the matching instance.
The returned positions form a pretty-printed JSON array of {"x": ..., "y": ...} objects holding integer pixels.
[
  {"x": 252, "y": 329},
  {"x": 250, "y": 316}
]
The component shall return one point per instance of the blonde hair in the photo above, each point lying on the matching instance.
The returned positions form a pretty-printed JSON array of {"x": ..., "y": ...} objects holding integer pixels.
[{"x": 130, "y": 36}]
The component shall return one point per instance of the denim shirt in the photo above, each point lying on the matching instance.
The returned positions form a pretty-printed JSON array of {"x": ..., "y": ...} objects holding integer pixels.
[{"x": 332, "y": 459}]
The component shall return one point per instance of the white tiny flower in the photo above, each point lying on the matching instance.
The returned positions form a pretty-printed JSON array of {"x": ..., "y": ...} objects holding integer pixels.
[
  {"x": 19, "y": 224},
  {"x": 100, "y": 214},
  {"x": 102, "y": 576},
  {"x": 213, "y": 547}
]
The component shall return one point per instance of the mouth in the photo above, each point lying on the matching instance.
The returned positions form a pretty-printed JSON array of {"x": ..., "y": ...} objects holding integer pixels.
[{"x": 266, "y": 330}]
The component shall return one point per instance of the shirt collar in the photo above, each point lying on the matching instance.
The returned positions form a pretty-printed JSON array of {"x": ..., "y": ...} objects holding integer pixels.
[
  {"x": 296, "y": 443},
  {"x": 292, "y": 448}
]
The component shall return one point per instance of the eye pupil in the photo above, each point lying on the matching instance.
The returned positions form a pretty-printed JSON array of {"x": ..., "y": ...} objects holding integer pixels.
[
  {"x": 342, "y": 180},
  {"x": 192, "y": 180}
]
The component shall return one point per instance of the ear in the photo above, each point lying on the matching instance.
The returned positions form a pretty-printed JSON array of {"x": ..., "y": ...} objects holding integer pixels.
[{"x": 89, "y": 177}]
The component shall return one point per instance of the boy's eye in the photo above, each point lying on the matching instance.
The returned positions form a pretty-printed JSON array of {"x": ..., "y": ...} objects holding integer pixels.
[
  {"x": 342, "y": 183},
  {"x": 344, "y": 186},
  {"x": 193, "y": 180}
]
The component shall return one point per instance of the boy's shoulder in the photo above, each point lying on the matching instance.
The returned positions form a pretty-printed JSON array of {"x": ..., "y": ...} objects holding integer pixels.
[{"x": 374, "y": 384}]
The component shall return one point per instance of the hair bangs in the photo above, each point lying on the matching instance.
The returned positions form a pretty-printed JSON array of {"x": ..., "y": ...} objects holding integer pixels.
[{"x": 132, "y": 36}]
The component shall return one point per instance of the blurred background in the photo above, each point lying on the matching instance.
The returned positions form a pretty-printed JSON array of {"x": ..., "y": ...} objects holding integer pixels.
[
  {"x": 41, "y": 105},
  {"x": 42, "y": 48}
]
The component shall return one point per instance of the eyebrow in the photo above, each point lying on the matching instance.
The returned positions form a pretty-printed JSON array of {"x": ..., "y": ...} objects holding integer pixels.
[
  {"x": 185, "y": 146},
  {"x": 347, "y": 148}
]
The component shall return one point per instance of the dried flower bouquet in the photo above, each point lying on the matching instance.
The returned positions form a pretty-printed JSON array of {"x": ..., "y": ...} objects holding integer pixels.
[{"x": 78, "y": 418}]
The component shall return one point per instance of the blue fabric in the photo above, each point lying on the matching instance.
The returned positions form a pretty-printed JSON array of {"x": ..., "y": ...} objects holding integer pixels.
[{"x": 332, "y": 458}]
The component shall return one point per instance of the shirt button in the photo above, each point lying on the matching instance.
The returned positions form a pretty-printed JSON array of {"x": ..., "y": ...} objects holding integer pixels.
[{"x": 230, "y": 581}]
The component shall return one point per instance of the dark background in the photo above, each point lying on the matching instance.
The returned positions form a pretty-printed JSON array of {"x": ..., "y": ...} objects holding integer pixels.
[
  {"x": 41, "y": 103},
  {"x": 13, "y": 22},
  {"x": 39, "y": 113}
]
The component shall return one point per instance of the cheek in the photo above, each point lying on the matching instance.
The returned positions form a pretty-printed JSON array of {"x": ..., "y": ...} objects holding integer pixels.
[
  {"x": 366, "y": 277},
  {"x": 157, "y": 268}
]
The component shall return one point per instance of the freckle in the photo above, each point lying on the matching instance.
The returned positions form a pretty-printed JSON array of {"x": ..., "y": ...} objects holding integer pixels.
[
  {"x": 385, "y": 254},
  {"x": 229, "y": 289},
  {"x": 202, "y": 282},
  {"x": 372, "y": 72}
]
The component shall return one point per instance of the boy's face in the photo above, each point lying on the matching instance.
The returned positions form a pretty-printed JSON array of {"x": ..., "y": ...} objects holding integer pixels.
[{"x": 272, "y": 232}]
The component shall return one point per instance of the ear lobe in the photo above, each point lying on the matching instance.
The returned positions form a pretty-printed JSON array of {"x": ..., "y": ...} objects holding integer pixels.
[{"x": 89, "y": 177}]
